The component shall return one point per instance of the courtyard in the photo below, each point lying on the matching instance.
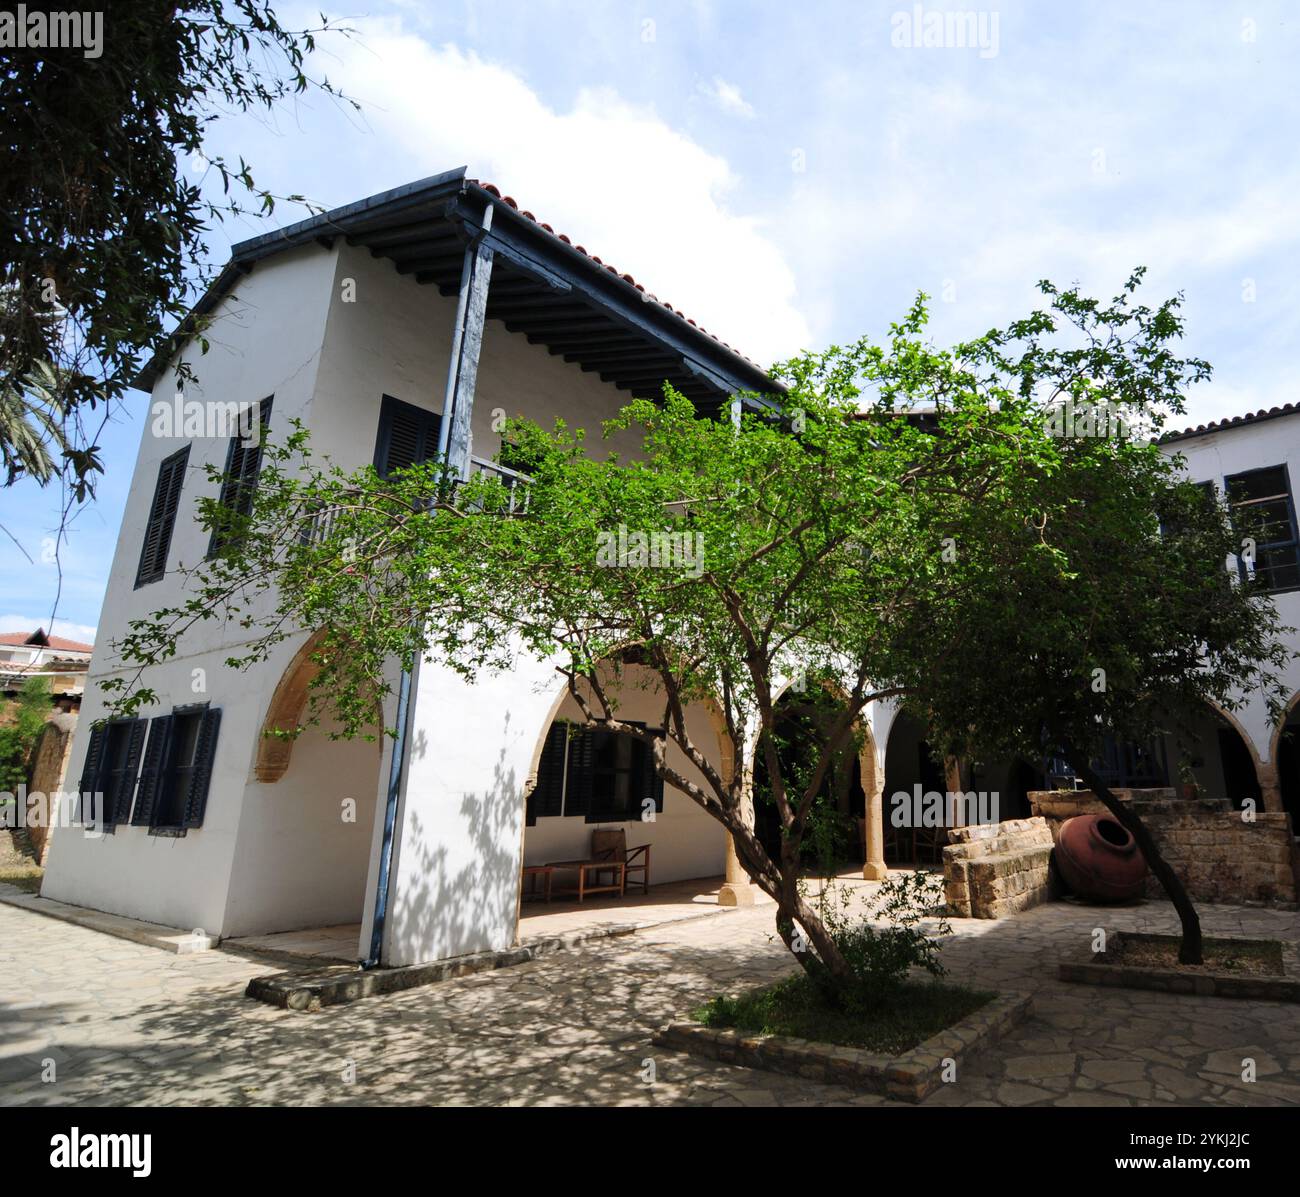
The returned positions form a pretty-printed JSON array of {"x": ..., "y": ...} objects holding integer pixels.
[{"x": 126, "y": 1024}]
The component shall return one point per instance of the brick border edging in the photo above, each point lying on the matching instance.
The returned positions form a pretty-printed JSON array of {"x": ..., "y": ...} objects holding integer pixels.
[
  {"x": 1089, "y": 970},
  {"x": 312, "y": 990},
  {"x": 910, "y": 1077}
]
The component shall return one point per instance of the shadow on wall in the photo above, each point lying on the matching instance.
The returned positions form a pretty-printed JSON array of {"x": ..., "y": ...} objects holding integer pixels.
[{"x": 464, "y": 909}]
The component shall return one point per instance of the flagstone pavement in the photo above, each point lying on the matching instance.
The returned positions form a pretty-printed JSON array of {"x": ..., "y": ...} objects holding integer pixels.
[{"x": 90, "y": 1019}]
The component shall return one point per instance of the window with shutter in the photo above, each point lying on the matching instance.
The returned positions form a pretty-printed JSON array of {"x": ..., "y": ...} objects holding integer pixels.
[
  {"x": 162, "y": 518},
  {"x": 239, "y": 481},
  {"x": 124, "y": 762},
  {"x": 1263, "y": 509},
  {"x": 617, "y": 777},
  {"x": 578, "y": 778},
  {"x": 547, "y": 798},
  {"x": 408, "y": 435},
  {"x": 108, "y": 776},
  {"x": 151, "y": 772},
  {"x": 196, "y": 799}
]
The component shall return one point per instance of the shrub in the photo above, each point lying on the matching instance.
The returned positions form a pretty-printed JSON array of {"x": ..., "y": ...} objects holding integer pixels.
[{"x": 17, "y": 739}]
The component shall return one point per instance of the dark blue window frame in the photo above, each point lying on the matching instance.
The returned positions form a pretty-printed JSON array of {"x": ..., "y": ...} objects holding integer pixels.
[{"x": 1265, "y": 574}]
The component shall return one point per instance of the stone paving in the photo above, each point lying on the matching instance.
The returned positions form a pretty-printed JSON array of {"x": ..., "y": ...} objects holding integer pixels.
[{"x": 127, "y": 1024}]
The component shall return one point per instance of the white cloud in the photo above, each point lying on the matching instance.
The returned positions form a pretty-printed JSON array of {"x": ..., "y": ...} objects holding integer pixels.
[
  {"x": 614, "y": 176},
  {"x": 29, "y": 623},
  {"x": 727, "y": 97}
]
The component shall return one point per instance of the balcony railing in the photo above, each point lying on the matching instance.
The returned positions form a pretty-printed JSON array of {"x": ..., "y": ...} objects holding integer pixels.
[
  {"x": 514, "y": 482},
  {"x": 318, "y": 526}
]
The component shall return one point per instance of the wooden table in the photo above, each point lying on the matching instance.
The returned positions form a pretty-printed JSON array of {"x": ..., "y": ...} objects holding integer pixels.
[
  {"x": 584, "y": 867},
  {"x": 535, "y": 873}
]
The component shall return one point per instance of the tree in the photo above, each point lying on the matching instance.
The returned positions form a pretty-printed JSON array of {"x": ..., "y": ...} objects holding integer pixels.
[
  {"x": 19, "y": 734},
  {"x": 1084, "y": 591},
  {"x": 907, "y": 554},
  {"x": 102, "y": 214}
]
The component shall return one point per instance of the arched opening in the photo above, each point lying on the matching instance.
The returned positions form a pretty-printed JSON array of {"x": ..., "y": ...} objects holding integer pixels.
[
  {"x": 593, "y": 789},
  {"x": 801, "y": 726},
  {"x": 911, "y": 772},
  {"x": 298, "y": 881},
  {"x": 1210, "y": 757},
  {"x": 1286, "y": 755},
  {"x": 285, "y": 712}
]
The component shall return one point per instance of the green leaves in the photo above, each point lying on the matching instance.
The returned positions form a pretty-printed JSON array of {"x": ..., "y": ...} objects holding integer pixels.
[{"x": 100, "y": 227}]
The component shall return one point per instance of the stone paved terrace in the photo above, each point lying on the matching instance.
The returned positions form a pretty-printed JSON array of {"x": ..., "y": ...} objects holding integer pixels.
[{"x": 127, "y": 1023}]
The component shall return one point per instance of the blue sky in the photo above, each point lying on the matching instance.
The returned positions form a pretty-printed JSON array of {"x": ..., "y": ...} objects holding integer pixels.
[{"x": 791, "y": 175}]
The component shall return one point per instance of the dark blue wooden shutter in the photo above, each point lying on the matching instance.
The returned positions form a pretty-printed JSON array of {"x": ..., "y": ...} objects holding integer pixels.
[
  {"x": 162, "y": 518},
  {"x": 152, "y": 772},
  {"x": 124, "y": 786},
  {"x": 205, "y": 751},
  {"x": 90, "y": 775},
  {"x": 652, "y": 784},
  {"x": 239, "y": 482},
  {"x": 577, "y": 790},
  {"x": 547, "y": 798},
  {"x": 407, "y": 436}
]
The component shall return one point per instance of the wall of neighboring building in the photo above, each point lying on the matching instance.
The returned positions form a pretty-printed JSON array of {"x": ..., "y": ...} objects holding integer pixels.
[{"x": 1220, "y": 454}]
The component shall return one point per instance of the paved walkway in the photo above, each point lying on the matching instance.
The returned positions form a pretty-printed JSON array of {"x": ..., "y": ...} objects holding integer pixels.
[
  {"x": 124, "y": 1023},
  {"x": 539, "y": 920}
]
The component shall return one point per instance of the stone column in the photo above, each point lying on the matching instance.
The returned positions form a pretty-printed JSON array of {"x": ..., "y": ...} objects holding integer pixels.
[
  {"x": 1270, "y": 789},
  {"x": 736, "y": 889},
  {"x": 875, "y": 868},
  {"x": 953, "y": 779}
]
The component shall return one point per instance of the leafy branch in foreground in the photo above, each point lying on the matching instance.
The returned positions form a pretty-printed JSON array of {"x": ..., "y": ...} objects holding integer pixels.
[{"x": 106, "y": 199}]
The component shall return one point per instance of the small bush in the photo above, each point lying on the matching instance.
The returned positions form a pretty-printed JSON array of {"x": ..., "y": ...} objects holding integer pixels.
[{"x": 881, "y": 957}]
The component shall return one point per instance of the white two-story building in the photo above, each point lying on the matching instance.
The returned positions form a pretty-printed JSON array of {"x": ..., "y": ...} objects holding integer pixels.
[
  {"x": 396, "y": 328},
  {"x": 392, "y": 328}
]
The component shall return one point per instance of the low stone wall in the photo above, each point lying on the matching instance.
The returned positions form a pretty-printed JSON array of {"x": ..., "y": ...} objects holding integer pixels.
[
  {"x": 1219, "y": 856},
  {"x": 992, "y": 870}
]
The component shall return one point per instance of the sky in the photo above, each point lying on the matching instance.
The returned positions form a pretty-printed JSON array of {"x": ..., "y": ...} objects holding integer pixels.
[{"x": 791, "y": 175}]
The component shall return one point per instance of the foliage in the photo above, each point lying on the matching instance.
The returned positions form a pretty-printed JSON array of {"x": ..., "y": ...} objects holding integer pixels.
[
  {"x": 18, "y": 738},
  {"x": 880, "y": 957},
  {"x": 911, "y": 523},
  {"x": 799, "y": 1008},
  {"x": 103, "y": 206}
]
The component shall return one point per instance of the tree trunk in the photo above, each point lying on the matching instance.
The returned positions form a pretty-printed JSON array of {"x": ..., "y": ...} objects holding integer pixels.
[
  {"x": 1189, "y": 951},
  {"x": 791, "y": 908}
]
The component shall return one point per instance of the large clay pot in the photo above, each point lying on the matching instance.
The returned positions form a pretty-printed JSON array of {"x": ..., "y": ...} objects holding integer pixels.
[{"x": 1099, "y": 859}]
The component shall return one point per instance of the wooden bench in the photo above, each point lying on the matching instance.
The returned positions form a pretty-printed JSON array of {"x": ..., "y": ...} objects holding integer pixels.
[{"x": 584, "y": 868}]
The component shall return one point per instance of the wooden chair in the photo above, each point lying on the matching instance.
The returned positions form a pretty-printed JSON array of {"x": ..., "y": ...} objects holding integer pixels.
[{"x": 612, "y": 845}]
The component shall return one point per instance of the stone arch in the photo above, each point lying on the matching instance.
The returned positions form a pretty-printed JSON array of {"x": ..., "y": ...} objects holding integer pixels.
[
  {"x": 872, "y": 774},
  {"x": 1275, "y": 740},
  {"x": 736, "y": 889},
  {"x": 1270, "y": 777},
  {"x": 285, "y": 712},
  {"x": 726, "y": 750}
]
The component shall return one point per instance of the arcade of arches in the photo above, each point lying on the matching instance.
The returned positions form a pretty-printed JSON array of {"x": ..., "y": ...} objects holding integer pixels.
[{"x": 1211, "y": 757}]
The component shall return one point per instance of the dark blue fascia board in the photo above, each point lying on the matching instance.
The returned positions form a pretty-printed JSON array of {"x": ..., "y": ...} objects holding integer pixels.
[{"x": 340, "y": 221}]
